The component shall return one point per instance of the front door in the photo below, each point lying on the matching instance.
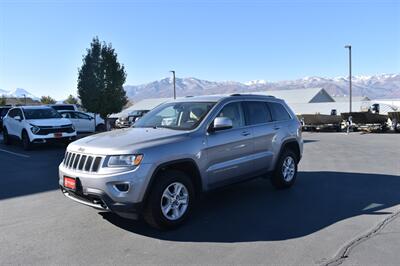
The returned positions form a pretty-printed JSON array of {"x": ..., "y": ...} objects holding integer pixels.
[{"x": 229, "y": 151}]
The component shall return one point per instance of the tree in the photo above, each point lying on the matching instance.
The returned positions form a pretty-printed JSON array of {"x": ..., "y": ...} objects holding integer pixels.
[
  {"x": 47, "y": 100},
  {"x": 101, "y": 79},
  {"x": 71, "y": 100},
  {"x": 3, "y": 100}
]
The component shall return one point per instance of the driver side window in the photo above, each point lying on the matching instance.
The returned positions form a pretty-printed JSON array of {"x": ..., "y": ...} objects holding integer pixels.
[{"x": 234, "y": 112}]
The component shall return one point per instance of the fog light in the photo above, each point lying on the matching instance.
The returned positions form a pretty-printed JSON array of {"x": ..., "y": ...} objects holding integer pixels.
[{"x": 122, "y": 187}]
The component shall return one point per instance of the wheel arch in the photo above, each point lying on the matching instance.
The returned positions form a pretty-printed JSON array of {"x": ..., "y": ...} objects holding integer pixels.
[
  {"x": 291, "y": 144},
  {"x": 187, "y": 166}
]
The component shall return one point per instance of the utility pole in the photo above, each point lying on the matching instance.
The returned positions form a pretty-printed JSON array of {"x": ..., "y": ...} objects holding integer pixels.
[
  {"x": 173, "y": 80},
  {"x": 350, "y": 94},
  {"x": 24, "y": 99}
]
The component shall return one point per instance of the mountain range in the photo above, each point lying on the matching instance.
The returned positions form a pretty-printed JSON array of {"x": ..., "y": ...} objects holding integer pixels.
[
  {"x": 18, "y": 93},
  {"x": 374, "y": 87}
]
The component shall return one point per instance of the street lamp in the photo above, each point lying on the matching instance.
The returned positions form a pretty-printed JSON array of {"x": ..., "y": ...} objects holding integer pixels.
[
  {"x": 173, "y": 77},
  {"x": 24, "y": 98},
  {"x": 349, "y": 47}
]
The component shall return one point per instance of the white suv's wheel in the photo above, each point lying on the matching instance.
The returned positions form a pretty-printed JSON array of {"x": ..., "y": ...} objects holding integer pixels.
[
  {"x": 170, "y": 201},
  {"x": 26, "y": 142}
]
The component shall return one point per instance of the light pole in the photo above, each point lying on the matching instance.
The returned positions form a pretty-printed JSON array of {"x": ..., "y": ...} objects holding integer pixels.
[
  {"x": 173, "y": 80},
  {"x": 24, "y": 99},
  {"x": 349, "y": 47}
]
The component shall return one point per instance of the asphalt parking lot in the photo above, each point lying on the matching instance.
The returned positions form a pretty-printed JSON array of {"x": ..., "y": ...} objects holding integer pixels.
[{"x": 343, "y": 209}]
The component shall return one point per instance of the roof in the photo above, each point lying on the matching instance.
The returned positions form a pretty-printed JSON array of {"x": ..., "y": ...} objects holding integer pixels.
[
  {"x": 298, "y": 95},
  {"x": 34, "y": 107},
  {"x": 146, "y": 104},
  {"x": 341, "y": 107},
  {"x": 353, "y": 98}
]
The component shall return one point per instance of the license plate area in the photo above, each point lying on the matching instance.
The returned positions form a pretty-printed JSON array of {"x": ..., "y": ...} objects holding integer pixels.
[
  {"x": 57, "y": 135},
  {"x": 70, "y": 182}
]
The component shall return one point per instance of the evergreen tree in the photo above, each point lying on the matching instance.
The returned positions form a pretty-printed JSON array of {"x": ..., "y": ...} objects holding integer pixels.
[
  {"x": 101, "y": 79},
  {"x": 47, "y": 100},
  {"x": 3, "y": 100},
  {"x": 71, "y": 100}
]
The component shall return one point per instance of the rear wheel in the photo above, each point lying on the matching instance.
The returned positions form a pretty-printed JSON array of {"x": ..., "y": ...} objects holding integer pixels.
[
  {"x": 170, "y": 201},
  {"x": 6, "y": 137},
  {"x": 286, "y": 170},
  {"x": 26, "y": 142},
  {"x": 101, "y": 128}
]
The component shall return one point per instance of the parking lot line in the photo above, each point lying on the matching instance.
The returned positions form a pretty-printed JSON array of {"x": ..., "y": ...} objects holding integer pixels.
[{"x": 15, "y": 153}]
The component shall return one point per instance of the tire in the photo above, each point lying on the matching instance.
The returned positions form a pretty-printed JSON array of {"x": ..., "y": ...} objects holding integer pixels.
[
  {"x": 101, "y": 128},
  {"x": 153, "y": 213},
  {"x": 397, "y": 127},
  {"x": 279, "y": 180},
  {"x": 6, "y": 137},
  {"x": 26, "y": 143}
]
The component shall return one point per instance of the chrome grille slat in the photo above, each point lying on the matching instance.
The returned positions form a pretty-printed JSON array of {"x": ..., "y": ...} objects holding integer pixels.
[
  {"x": 71, "y": 160},
  {"x": 77, "y": 158}
]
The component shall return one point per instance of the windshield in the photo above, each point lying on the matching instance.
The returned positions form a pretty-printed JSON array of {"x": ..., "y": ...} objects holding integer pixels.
[
  {"x": 44, "y": 113},
  {"x": 177, "y": 115}
]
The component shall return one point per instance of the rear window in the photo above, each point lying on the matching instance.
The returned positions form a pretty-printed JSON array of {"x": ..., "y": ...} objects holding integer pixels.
[
  {"x": 257, "y": 113},
  {"x": 278, "y": 112},
  {"x": 63, "y": 107}
]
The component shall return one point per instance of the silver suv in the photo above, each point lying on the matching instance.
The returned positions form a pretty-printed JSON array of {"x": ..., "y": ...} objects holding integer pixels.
[{"x": 159, "y": 167}]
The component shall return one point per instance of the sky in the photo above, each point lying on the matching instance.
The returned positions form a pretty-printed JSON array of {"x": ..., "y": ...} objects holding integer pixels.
[{"x": 42, "y": 42}]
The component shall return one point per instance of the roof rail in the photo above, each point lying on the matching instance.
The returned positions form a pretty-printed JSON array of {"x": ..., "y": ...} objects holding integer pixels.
[{"x": 239, "y": 94}]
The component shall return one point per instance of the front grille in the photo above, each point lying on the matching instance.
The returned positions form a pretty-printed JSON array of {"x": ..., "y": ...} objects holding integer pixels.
[
  {"x": 82, "y": 162},
  {"x": 50, "y": 130}
]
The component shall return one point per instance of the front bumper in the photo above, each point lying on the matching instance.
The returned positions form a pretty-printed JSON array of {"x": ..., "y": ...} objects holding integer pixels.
[
  {"x": 51, "y": 138},
  {"x": 100, "y": 190},
  {"x": 101, "y": 201}
]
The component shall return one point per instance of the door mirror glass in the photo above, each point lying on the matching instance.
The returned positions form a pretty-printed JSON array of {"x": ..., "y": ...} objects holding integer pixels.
[
  {"x": 17, "y": 117},
  {"x": 221, "y": 123}
]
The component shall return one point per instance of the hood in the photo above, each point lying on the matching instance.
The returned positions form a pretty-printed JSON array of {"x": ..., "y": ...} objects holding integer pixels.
[
  {"x": 124, "y": 141},
  {"x": 51, "y": 122}
]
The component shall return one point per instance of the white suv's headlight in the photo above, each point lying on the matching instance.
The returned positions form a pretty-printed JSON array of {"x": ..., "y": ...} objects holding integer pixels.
[
  {"x": 124, "y": 160},
  {"x": 34, "y": 129}
]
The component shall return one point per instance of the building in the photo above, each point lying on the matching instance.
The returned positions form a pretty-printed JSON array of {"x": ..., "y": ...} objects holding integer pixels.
[{"x": 309, "y": 95}]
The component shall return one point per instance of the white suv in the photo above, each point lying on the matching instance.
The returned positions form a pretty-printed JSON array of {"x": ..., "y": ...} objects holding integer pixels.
[{"x": 36, "y": 124}]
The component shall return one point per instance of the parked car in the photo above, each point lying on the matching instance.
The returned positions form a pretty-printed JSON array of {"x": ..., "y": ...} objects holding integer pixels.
[
  {"x": 130, "y": 119},
  {"x": 59, "y": 107},
  {"x": 3, "y": 112},
  {"x": 84, "y": 122},
  {"x": 180, "y": 149},
  {"x": 36, "y": 124}
]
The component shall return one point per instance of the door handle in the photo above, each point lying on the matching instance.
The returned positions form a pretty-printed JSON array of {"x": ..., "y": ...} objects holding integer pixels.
[
  {"x": 276, "y": 128},
  {"x": 245, "y": 133}
]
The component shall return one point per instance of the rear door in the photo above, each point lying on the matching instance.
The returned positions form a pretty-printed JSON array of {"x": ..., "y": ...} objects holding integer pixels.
[
  {"x": 85, "y": 121},
  {"x": 258, "y": 116},
  {"x": 229, "y": 151}
]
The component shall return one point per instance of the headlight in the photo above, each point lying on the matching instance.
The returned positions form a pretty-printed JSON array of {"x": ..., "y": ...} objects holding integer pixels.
[
  {"x": 34, "y": 129},
  {"x": 125, "y": 160}
]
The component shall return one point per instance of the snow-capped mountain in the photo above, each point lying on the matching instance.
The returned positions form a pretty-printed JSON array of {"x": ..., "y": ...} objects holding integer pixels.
[
  {"x": 374, "y": 87},
  {"x": 18, "y": 93}
]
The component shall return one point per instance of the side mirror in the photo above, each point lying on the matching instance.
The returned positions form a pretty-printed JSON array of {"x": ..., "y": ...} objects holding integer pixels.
[
  {"x": 221, "y": 123},
  {"x": 17, "y": 117}
]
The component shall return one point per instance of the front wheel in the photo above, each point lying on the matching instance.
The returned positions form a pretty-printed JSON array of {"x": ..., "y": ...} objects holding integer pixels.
[
  {"x": 286, "y": 170},
  {"x": 170, "y": 201},
  {"x": 26, "y": 143}
]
